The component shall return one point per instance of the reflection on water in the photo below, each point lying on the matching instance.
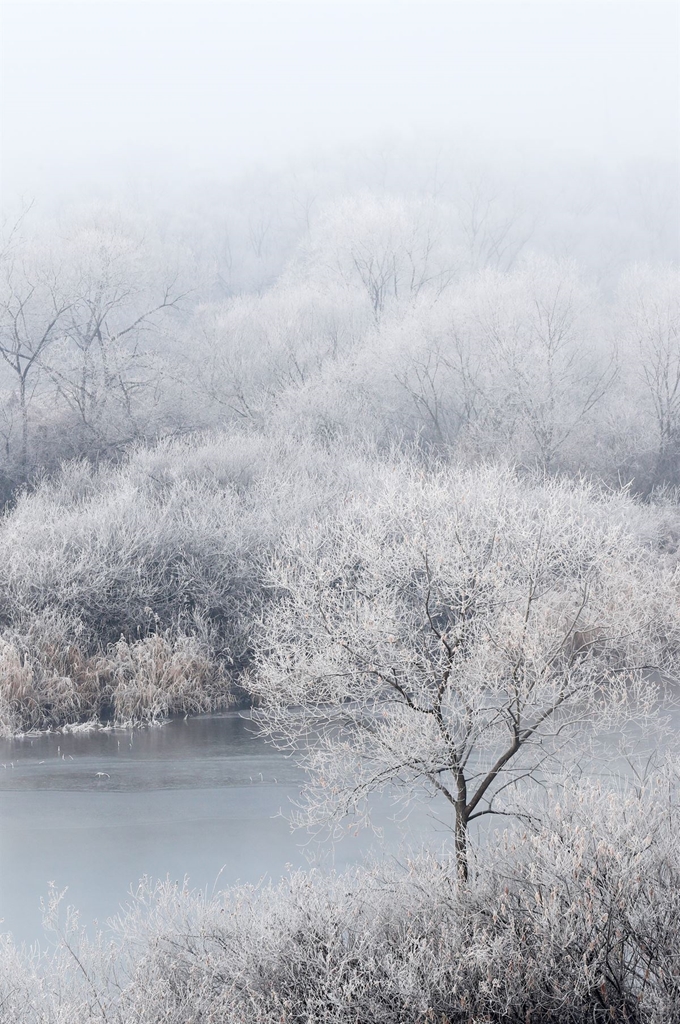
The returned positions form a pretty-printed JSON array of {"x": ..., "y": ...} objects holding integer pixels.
[{"x": 201, "y": 797}]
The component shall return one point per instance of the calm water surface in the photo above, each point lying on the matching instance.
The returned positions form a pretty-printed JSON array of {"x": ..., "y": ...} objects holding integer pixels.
[{"x": 95, "y": 811}]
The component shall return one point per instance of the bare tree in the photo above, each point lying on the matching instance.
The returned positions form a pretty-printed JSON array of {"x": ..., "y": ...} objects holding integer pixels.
[
  {"x": 507, "y": 364},
  {"x": 33, "y": 311},
  {"x": 650, "y": 299},
  {"x": 492, "y": 225},
  {"x": 457, "y": 634},
  {"x": 437, "y": 367},
  {"x": 104, "y": 367},
  {"x": 391, "y": 247},
  {"x": 546, "y": 370}
]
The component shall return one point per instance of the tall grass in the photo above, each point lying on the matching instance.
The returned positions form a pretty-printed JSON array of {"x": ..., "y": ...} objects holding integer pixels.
[{"x": 46, "y": 686}]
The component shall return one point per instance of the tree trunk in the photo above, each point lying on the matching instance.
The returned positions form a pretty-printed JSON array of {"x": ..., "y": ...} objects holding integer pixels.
[
  {"x": 461, "y": 843},
  {"x": 24, "y": 424}
]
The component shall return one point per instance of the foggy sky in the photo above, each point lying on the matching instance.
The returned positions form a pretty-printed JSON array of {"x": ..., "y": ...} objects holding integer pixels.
[{"x": 90, "y": 90}]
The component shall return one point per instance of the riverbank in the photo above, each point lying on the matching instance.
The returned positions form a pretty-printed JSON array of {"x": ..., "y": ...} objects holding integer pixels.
[{"x": 571, "y": 921}]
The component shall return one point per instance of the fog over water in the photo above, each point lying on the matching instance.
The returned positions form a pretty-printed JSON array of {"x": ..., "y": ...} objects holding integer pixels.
[{"x": 203, "y": 798}]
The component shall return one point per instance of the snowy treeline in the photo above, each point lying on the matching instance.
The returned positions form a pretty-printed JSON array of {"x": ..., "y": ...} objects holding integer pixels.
[
  {"x": 506, "y": 318},
  {"x": 180, "y": 384}
]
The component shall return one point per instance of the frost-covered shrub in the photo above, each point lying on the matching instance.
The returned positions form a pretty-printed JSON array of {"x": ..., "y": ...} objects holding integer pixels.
[
  {"x": 159, "y": 550},
  {"x": 47, "y": 676}
]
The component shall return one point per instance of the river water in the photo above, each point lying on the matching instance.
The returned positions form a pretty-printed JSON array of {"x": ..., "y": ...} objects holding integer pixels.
[{"x": 203, "y": 797}]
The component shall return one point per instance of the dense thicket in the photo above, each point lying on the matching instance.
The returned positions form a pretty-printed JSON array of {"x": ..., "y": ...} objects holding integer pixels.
[
  {"x": 132, "y": 591},
  {"x": 137, "y": 590}
]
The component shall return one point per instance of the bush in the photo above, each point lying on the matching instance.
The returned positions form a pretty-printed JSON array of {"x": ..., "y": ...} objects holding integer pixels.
[{"x": 169, "y": 545}]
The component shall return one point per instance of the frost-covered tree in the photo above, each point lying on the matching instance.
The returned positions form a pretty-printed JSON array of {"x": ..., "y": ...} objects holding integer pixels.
[
  {"x": 650, "y": 337},
  {"x": 543, "y": 368},
  {"x": 392, "y": 248},
  {"x": 34, "y": 304},
  {"x": 459, "y": 633},
  {"x": 106, "y": 368},
  {"x": 244, "y": 353}
]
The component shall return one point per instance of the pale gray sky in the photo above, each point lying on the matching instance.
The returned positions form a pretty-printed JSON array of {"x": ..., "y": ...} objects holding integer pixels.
[{"x": 88, "y": 88}]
